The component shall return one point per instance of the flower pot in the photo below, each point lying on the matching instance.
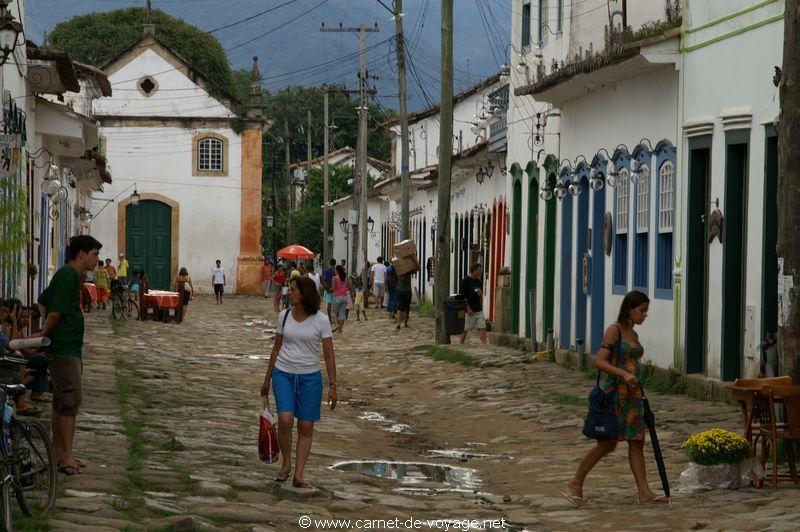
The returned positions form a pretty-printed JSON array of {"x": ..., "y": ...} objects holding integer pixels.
[{"x": 721, "y": 476}]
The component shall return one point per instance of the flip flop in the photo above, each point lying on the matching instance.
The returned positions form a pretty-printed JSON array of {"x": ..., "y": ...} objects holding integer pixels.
[
  {"x": 70, "y": 471},
  {"x": 574, "y": 500},
  {"x": 657, "y": 498},
  {"x": 282, "y": 477},
  {"x": 32, "y": 411},
  {"x": 43, "y": 399}
]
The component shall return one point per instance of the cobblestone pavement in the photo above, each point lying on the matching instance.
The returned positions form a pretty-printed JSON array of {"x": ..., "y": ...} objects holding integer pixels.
[{"x": 169, "y": 428}]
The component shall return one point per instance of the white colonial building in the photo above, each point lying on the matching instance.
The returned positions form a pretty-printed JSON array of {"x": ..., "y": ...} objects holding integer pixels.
[
  {"x": 477, "y": 206},
  {"x": 647, "y": 143},
  {"x": 176, "y": 140}
]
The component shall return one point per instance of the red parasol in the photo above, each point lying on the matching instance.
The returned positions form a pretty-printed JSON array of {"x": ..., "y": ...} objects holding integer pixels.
[{"x": 296, "y": 252}]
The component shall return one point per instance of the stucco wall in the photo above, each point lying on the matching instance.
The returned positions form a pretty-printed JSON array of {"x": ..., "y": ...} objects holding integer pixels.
[
  {"x": 712, "y": 88},
  {"x": 159, "y": 160}
]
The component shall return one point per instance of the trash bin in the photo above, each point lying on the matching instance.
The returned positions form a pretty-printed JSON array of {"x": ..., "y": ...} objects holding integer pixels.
[{"x": 455, "y": 308}]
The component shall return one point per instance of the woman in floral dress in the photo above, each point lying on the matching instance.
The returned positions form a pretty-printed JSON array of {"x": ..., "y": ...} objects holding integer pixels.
[{"x": 620, "y": 358}]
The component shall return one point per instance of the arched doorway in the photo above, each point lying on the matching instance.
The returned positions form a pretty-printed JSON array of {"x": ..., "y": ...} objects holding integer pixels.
[
  {"x": 596, "y": 288},
  {"x": 582, "y": 270},
  {"x": 531, "y": 251},
  {"x": 551, "y": 169},
  {"x": 516, "y": 244},
  {"x": 565, "y": 309},
  {"x": 148, "y": 241}
]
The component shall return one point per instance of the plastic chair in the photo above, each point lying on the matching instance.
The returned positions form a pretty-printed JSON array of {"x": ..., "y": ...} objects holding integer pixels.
[{"x": 775, "y": 429}]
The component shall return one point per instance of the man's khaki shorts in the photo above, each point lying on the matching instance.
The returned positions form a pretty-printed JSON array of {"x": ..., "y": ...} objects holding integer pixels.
[
  {"x": 66, "y": 372},
  {"x": 475, "y": 322}
]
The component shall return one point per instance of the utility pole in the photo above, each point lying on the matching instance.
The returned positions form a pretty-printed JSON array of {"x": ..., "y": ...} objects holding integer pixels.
[
  {"x": 361, "y": 184},
  {"x": 326, "y": 250},
  {"x": 286, "y": 139},
  {"x": 308, "y": 145},
  {"x": 788, "y": 193},
  {"x": 397, "y": 13},
  {"x": 442, "y": 285}
]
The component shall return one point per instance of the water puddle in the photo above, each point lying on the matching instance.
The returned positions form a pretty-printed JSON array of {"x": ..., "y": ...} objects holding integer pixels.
[
  {"x": 398, "y": 428},
  {"x": 411, "y": 473},
  {"x": 376, "y": 417},
  {"x": 462, "y": 455}
]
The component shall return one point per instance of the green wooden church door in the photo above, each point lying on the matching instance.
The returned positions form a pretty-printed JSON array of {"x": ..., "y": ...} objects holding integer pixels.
[{"x": 148, "y": 241}]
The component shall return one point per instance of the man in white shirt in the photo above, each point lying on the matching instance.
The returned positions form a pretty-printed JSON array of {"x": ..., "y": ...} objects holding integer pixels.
[
  {"x": 218, "y": 280},
  {"x": 377, "y": 277},
  {"x": 314, "y": 276}
]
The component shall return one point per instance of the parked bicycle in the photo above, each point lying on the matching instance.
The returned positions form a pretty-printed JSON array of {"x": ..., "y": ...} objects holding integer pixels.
[
  {"x": 123, "y": 303},
  {"x": 27, "y": 459}
]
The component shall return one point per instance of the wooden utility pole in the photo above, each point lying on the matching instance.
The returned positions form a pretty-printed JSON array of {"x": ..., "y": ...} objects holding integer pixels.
[
  {"x": 360, "y": 185},
  {"x": 404, "y": 151},
  {"x": 308, "y": 146},
  {"x": 326, "y": 243},
  {"x": 788, "y": 191},
  {"x": 442, "y": 285},
  {"x": 286, "y": 139}
]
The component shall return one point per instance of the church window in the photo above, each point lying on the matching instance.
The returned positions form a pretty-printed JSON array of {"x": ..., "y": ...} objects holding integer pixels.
[
  {"x": 210, "y": 154},
  {"x": 147, "y": 86}
]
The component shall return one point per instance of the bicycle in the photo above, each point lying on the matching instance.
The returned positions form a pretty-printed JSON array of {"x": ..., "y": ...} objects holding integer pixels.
[
  {"x": 123, "y": 304},
  {"x": 27, "y": 459}
]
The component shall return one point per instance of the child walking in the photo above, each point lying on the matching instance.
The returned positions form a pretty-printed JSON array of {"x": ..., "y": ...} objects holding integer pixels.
[{"x": 358, "y": 304}]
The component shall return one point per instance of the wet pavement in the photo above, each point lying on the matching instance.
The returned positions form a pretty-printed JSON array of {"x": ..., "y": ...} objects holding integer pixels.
[{"x": 169, "y": 428}]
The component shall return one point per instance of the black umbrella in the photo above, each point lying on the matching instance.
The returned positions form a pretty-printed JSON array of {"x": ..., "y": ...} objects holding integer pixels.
[{"x": 650, "y": 420}]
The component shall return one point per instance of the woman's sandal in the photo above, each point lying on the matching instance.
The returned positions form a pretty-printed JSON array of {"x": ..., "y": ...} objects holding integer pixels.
[
  {"x": 574, "y": 500},
  {"x": 302, "y": 485},
  {"x": 282, "y": 477},
  {"x": 657, "y": 498}
]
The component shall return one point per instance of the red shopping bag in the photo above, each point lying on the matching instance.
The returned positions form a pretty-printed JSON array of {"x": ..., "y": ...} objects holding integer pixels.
[{"x": 268, "y": 449}]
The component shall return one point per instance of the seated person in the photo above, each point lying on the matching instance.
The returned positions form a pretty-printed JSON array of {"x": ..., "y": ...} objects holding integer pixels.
[{"x": 15, "y": 321}]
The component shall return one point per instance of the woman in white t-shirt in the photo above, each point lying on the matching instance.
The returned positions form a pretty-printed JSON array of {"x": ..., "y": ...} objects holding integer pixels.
[{"x": 295, "y": 374}]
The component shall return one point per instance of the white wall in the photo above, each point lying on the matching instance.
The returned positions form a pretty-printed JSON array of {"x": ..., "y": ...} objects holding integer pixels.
[
  {"x": 175, "y": 95},
  {"x": 158, "y": 160},
  {"x": 709, "y": 93}
]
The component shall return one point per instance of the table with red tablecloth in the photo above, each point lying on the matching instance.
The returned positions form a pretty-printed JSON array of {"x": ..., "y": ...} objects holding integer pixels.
[{"x": 166, "y": 304}]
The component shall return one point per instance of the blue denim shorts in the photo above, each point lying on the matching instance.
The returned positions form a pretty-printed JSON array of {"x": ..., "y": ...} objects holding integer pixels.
[
  {"x": 300, "y": 394},
  {"x": 329, "y": 297}
]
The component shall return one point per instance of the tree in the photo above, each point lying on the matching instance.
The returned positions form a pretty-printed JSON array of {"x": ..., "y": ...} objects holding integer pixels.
[
  {"x": 307, "y": 219},
  {"x": 96, "y": 38}
]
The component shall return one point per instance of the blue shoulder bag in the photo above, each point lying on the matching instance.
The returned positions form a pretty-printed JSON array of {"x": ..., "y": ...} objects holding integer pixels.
[{"x": 601, "y": 421}]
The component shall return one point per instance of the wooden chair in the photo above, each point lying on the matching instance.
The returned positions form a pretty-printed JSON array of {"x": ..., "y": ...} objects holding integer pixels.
[{"x": 776, "y": 429}]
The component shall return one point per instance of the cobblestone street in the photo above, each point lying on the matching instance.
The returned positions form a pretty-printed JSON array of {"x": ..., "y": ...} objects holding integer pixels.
[{"x": 169, "y": 428}]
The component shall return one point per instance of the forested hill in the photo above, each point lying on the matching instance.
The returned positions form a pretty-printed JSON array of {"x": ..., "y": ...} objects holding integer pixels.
[{"x": 294, "y": 52}]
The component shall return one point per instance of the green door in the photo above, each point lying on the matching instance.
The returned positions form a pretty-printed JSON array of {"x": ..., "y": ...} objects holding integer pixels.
[
  {"x": 148, "y": 241},
  {"x": 551, "y": 168},
  {"x": 697, "y": 255},
  {"x": 531, "y": 255},
  {"x": 516, "y": 241},
  {"x": 733, "y": 255}
]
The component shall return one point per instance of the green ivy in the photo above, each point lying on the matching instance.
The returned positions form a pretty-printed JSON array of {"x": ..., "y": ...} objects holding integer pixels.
[{"x": 13, "y": 223}]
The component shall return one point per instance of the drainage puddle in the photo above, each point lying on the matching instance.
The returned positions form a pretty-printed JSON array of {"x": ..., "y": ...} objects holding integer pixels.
[
  {"x": 386, "y": 424},
  {"x": 411, "y": 473},
  {"x": 462, "y": 455}
]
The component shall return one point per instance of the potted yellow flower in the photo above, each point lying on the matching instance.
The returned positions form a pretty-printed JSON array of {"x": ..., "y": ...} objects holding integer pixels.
[{"x": 718, "y": 459}]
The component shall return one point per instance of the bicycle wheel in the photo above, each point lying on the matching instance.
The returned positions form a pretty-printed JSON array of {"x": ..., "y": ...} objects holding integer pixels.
[
  {"x": 5, "y": 490},
  {"x": 35, "y": 473},
  {"x": 117, "y": 312},
  {"x": 132, "y": 308}
]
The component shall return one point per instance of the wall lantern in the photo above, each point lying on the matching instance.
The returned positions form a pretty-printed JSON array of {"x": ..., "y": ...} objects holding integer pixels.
[
  {"x": 343, "y": 225},
  {"x": 270, "y": 220},
  {"x": 480, "y": 176},
  {"x": 489, "y": 169},
  {"x": 371, "y": 224},
  {"x": 61, "y": 196},
  {"x": 9, "y": 32},
  {"x": 51, "y": 184},
  {"x": 135, "y": 197},
  {"x": 596, "y": 180}
]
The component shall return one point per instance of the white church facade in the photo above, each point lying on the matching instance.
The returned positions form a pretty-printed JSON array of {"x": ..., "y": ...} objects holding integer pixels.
[{"x": 194, "y": 163}]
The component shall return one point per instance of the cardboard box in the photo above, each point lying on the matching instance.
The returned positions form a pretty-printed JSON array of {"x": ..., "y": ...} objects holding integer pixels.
[
  {"x": 403, "y": 265},
  {"x": 406, "y": 248}
]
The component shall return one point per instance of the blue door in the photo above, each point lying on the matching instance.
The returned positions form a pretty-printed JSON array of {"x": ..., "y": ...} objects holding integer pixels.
[
  {"x": 597, "y": 292},
  {"x": 566, "y": 271},
  {"x": 581, "y": 249}
]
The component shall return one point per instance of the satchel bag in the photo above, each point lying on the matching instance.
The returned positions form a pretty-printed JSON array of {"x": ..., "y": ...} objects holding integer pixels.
[{"x": 601, "y": 421}]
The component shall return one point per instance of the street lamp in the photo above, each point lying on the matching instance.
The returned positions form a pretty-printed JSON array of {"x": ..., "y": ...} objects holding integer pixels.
[
  {"x": 371, "y": 224},
  {"x": 135, "y": 197},
  {"x": 270, "y": 220},
  {"x": 480, "y": 176},
  {"x": 343, "y": 225},
  {"x": 9, "y": 32}
]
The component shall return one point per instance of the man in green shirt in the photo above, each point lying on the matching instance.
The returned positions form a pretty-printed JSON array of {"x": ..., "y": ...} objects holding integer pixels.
[
  {"x": 404, "y": 294},
  {"x": 63, "y": 324}
]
